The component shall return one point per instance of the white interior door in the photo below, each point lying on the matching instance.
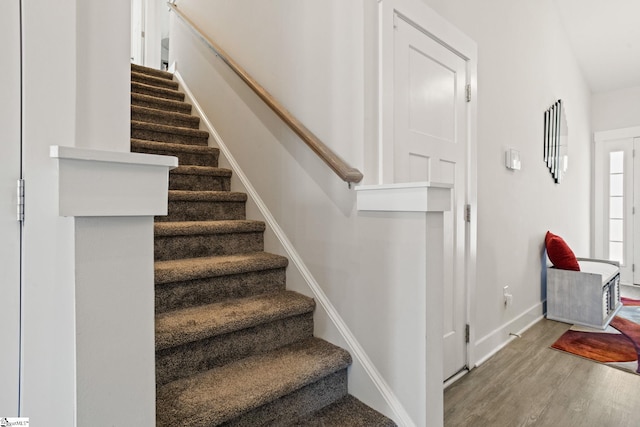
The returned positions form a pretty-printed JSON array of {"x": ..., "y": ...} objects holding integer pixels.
[
  {"x": 9, "y": 226},
  {"x": 430, "y": 144}
]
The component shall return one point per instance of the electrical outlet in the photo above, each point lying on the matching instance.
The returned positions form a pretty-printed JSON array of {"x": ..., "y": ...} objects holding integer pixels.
[{"x": 508, "y": 298}]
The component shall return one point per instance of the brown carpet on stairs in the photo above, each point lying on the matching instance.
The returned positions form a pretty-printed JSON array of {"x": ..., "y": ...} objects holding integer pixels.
[{"x": 233, "y": 346}]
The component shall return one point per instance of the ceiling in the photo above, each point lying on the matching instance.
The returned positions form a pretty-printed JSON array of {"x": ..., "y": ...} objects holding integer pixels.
[{"x": 605, "y": 37}]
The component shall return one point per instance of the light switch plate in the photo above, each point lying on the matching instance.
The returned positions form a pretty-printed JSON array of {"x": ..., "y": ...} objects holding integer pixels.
[{"x": 512, "y": 159}]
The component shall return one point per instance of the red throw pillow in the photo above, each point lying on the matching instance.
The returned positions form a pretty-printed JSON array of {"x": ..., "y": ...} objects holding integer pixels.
[{"x": 560, "y": 253}]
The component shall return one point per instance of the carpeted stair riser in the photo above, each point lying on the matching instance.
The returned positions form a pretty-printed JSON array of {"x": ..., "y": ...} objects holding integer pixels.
[
  {"x": 348, "y": 411},
  {"x": 204, "y": 245},
  {"x": 187, "y": 154},
  {"x": 236, "y": 390},
  {"x": 170, "y": 271},
  {"x": 170, "y": 118},
  {"x": 151, "y": 71},
  {"x": 148, "y": 101},
  {"x": 300, "y": 404},
  {"x": 180, "y": 210},
  {"x": 208, "y": 290},
  {"x": 157, "y": 92},
  {"x": 212, "y": 180},
  {"x": 161, "y": 133},
  {"x": 185, "y": 360},
  {"x": 153, "y": 81}
]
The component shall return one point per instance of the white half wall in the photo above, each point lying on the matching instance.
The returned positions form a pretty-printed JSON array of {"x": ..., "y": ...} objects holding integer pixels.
[{"x": 616, "y": 109}]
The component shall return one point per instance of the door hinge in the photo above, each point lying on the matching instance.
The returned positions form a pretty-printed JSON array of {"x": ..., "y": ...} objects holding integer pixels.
[
  {"x": 467, "y": 334},
  {"x": 467, "y": 213},
  {"x": 468, "y": 92},
  {"x": 20, "y": 199},
  {"x": 633, "y": 268}
]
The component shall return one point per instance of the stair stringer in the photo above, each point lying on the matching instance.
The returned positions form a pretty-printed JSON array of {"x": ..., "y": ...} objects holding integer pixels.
[{"x": 329, "y": 325}]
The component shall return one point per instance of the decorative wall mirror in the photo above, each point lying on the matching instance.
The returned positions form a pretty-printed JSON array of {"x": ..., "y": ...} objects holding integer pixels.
[{"x": 556, "y": 136}]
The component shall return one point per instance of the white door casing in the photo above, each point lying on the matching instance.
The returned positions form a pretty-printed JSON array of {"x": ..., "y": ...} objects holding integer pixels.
[
  {"x": 430, "y": 135},
  {"x": 9, "y": 226}
]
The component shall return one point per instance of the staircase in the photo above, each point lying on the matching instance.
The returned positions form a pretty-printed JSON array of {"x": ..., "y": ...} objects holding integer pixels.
[{"x": 233, "y": 346}]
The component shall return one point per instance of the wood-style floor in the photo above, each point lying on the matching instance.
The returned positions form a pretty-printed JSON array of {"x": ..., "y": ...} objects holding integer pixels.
[{"x": 529, "y": 384}]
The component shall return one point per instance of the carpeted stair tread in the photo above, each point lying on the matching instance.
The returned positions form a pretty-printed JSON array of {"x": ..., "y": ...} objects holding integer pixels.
[
  {"x": 160, "y": 103},
  {"x": 186, "y": 228},
  {"x": 153, "y": 115},
  {"x": 135, "y": 68},
  {"x": 348, "y": 411},
  {"x": 191, "y": 324},
  {"x": 206, "y": 196},
  {"x": 150, "y": 80},
  {"x": 201, "y": 170},
  {"x": 188, "y": 154},
  {"x": 176, "y": 130},
  {"x": 158, "y": 92},
  {"x": 196, "y": 268},
  {"x": 220, "y": 394},
  {"x": 204, "y": 205}
]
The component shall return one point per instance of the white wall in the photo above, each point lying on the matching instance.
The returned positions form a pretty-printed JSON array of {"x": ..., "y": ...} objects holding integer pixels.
[
  {"x": 318, "y": 59},
  {"x": 615, "y": 109},
  {"x": 102, "y": 75}
]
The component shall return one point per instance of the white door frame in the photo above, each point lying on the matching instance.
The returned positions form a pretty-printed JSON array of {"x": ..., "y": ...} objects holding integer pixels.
[{"x": 435, "y": 26}]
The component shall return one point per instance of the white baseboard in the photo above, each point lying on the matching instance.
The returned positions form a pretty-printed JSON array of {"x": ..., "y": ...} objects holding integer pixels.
[
  {"x": 495, "y": 341},
  {"x": 401, "y": 417}
]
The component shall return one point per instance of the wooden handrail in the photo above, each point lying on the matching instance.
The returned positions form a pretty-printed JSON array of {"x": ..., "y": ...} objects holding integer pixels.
[{"x": 339, "y": 166}]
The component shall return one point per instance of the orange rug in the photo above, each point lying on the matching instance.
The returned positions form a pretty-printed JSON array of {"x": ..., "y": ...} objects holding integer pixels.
[{"x": 618, "y": 345}]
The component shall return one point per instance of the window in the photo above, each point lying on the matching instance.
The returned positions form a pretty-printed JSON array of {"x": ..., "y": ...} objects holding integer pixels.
[{"x": 616, "y": 206}]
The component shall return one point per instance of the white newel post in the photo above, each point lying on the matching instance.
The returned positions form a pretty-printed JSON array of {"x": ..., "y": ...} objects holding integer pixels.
[
  {"x": 433, "y": 199},
  {"x": 113, "y": 197}
]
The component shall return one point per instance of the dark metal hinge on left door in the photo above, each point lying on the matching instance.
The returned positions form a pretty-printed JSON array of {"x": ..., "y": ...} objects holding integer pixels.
[{"x": 467, "y": 334}]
